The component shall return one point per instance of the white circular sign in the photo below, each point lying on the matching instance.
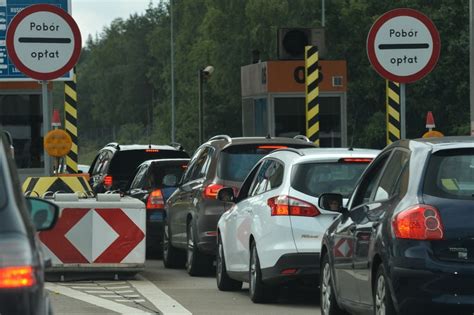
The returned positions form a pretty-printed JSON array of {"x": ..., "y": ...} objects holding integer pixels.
[
  {"x": 403, "y": 45},
  {"x": 43, "y": 42}
]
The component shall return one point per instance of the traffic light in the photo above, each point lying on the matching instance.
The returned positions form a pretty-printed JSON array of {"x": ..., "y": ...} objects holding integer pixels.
[{"x": 291, "y": 42}]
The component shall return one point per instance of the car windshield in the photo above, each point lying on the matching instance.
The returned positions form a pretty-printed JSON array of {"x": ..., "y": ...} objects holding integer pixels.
[
  {"x": 124, "y": 163},
  {"x": 316, "y": 178},
  {"x": 237, "y": 161},
  {"x": 166, "y": 175},
  {"x": 450, "y": 174}
]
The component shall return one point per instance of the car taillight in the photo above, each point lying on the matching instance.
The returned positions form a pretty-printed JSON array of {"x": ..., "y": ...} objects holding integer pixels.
[
  {"x": 108, "y": 181},
  {"x": 152, "y": 150},
  {"x": 210, "y": 191},
  {"x": 155, "y": 200},
  {"x": 272, "y": 147},
  {"x": 285, "y": 205},
  {"x": 17, "y": 277},
  {"x": 419, "y": 222}
]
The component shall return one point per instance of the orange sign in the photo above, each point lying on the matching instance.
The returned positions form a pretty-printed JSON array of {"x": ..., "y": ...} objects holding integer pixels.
[
  {"x": 433, "y": 134},
  {"x": 57, "y": 143}
]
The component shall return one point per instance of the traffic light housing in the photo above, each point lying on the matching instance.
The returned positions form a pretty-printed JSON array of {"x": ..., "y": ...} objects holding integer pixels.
[{"x": 291, "y": 42}]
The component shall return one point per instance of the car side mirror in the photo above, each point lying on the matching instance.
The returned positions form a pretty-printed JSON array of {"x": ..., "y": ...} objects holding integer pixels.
[
  {"x": 43, "y": 213},
  {"x": 226, "y": 194},
  {"x": 331, "y": 202}
]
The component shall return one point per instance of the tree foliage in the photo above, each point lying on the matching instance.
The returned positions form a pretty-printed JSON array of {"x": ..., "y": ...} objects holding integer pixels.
[{"x": 124, "y": 86}]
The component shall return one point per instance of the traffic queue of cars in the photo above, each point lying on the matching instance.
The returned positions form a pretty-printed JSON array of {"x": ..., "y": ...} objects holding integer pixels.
[{"x": 393, "y": 237}]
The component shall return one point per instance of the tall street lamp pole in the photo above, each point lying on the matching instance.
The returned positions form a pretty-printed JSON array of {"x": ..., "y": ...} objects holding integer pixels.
[
  {"x": 173, "y": 115},
  {"x": 203, "y": 74}
]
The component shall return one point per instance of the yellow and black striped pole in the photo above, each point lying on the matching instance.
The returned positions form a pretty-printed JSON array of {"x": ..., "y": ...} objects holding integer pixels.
[
  {"x": 70, "y": 110},
  {"x": 393, "y": 111},
  {"x": 312, "y": 93}
]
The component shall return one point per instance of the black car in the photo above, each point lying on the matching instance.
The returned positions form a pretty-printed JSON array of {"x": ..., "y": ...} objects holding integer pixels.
[
  {"x": 405, "y": 243},
  {"x": 193, "y": 210},
  {"x": 114, "y": 164},
  {"x": 21, "y": 260},
  {"x": 153, "y": 183}
]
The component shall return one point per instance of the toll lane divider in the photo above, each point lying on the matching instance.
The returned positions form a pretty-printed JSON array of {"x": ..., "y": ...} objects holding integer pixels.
[{"x": 91, "y": 235}]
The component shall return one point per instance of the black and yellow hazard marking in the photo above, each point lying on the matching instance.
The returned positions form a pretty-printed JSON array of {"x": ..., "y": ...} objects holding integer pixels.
[
  {"x": 312, "y": 93},
  {"x": 70, "y": 110},
  {"x": 393, "y": 111},
  {"x": 38, "y": 186}
]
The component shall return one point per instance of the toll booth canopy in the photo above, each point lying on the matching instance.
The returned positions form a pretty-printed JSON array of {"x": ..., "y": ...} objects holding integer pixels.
[{"x": 273, "y": 100}]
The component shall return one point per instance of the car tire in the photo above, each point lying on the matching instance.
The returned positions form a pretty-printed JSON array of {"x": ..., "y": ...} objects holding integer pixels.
[
  {"x": 172, "y": 257},
  {"x": 197, "y": 263},
  {"x": 328, "y": 300},
  {"x": 259, "y": 292},
  {"x": 383, "y": 304},
  {"x": 224, "y": 282}
]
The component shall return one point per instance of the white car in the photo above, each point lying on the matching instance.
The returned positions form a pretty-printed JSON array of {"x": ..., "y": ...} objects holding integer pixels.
[{"x": 272, "y": 234}]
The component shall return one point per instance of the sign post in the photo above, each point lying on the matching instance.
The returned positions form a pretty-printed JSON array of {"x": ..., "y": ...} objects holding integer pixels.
[
  {"x": 403, "y": 46},
  {"x": 44, "y": 42}
]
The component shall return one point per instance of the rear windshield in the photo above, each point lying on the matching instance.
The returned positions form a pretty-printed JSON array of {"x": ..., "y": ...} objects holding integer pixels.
[
  {"x": 237, "y": 161},
  {"x": 124, "y": 163},
  {"x": 316, "y": 178},
  {"x": 167, "y": 175},
  {"x": 450, "y": 174}
]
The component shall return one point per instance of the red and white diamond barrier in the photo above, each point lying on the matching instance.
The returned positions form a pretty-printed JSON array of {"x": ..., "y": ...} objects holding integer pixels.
[{"x": 105, "y": 233}]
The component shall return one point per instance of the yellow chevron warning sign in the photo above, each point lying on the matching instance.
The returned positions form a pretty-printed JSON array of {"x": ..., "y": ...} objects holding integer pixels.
[{"x": 38, "y": 186}]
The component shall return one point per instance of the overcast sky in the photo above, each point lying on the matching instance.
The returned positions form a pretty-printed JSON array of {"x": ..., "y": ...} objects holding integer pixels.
[{"x": 93, "y": 15}]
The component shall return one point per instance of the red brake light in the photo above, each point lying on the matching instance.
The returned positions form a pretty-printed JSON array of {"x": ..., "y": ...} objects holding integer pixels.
[
  {"x": 420, "y": 222},
  {"x": 155, "y": 200},
  {"x": 184, "y": 166},
  {"x": 152, "y": 150},
  {"x": 272, "y": 147},
  {"x": 356, "y": 160},
  {"x": 210, "y": 191},
  {"x": 285, "y": 205},
  {"x": 108, "y": 181},
  {"x": 17, "y": 277}
]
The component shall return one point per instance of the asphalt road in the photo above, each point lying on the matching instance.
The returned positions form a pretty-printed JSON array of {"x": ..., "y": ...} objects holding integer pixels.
[{"x": 171, "y": 292}]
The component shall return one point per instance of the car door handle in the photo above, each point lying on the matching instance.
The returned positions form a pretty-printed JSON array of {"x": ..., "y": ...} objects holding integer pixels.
[{"x": 249, "y": 210}]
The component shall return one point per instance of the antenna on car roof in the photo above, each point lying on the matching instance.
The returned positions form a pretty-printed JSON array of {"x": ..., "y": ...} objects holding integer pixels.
[{"x": 268, "y": 136}]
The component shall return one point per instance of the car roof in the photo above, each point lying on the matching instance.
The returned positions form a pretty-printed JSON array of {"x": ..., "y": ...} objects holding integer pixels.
[
  {"x": 322, "y": 154},
  {"x": 131, "y": 147},
  {"x": 164, "y": 161},
  {"x": 437, "y": 144},
  {"x": 226, "y": 141}
]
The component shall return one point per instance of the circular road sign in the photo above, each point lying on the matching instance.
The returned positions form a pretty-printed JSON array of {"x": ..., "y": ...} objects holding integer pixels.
[
  {"x": 403, "y": 45},
  {"x": 43, "y": 41},
  {"x": 57, "y": 143}
]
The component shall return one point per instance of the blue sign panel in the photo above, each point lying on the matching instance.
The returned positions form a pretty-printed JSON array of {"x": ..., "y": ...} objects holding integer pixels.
[{"x": 8, "y": 9}]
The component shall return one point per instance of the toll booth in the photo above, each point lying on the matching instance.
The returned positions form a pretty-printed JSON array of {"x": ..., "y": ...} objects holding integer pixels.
[
  {"x": 273, "y": 100},
  {"x": 21, "y": 114}
]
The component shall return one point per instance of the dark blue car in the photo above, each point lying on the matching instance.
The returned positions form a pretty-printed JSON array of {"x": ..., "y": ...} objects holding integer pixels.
[
  {"x": 405, "y": 242},
  {"x": 153, "y": 183}
]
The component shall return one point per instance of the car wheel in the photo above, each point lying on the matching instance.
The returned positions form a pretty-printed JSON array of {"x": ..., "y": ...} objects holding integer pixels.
[
  {"x": 197, "y": 263},
  {"x": 172, "y": 257},
  {"x": 224, "y": 282},
  {"x": 259, "y": 291},
  {"x": 383, "y": 304},
  {"x": 329, "y": 304}
]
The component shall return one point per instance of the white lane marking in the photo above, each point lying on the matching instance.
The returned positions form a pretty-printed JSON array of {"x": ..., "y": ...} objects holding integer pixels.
[
  {"x": 97, "y": 291},
  {"x": 131, "y": 295},
  {"x": 78, "y": 295},
  {"x": 111, "y": 296},
  {"x": 111, "y": 283},
  {"x": 130, "y": 301},
  {"x": 165, "y": 304},
  {"x": 119, "y": 288},
  {"x": 124, "y": 291},
  {"x": 85, "y": 288}
]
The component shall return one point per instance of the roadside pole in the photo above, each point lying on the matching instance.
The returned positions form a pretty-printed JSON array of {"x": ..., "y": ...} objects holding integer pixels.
[
  {"x": 403, "y": 112},
  {"x": 46, "y": 124},
  {"x": 393, "y": 111},
  {"x": 312, "y": 93},
  {"x": 471, "y": 62}
]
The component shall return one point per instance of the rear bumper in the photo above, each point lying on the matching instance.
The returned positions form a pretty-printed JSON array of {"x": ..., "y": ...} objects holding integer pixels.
[
  {"x": 207, "y": 226},
  {"x": 154, "y": 229},
  {"x": 306, "y": 265},
  {"x": 422, "y": 283}
]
